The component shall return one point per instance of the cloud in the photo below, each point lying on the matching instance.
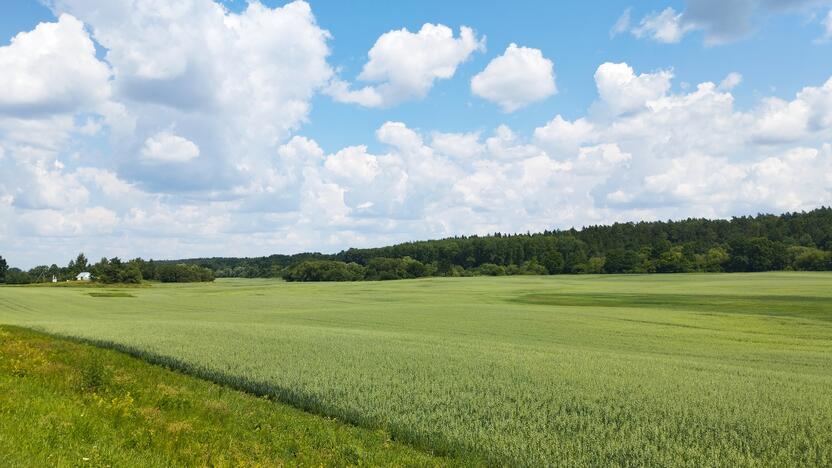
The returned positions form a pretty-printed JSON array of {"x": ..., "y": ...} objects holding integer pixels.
[
  {"x": 457, "y": 145},
  {"x": 353, "y": 165},
  {"x": 237, "y": 84},
  {"x": 405, "y": 65},
  {"x": 827, "y": 26},
  {"x": 563, "y": 138},
  {"x": 52, "y": 70},
  {"x": 166, "y": 147},
  {"x": 517, "y": 78},
  {"x": 666, "y": 27},
  {"x": 622, "y": 91},
  {"x": 781, "y": 121},
  {"x": 730, "y": 82},
  {"x": 719, "y": 21},
  {"x": 622, "y": 24}
]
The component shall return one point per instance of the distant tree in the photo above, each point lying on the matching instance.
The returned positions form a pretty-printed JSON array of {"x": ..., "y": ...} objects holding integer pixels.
[
  {"x": 382, "y": 268},
  {"x": 490, "y": 269},
  {"x": 533, "y": 267},
  {"x": 553, "y": 262},
  {"x": 809, "y": 259},
  {"x": 593, "y": 265},
  {"x": 620, "y": 261},
  {"x": 756, "y": 254},
  {"x": 324, "y": 270},
  {"x": 80, "y": 264},
  {"x": 672, "y": 260},
  {"x": 716, "y": 258},
  {"x": 183, "y": 273},
  {"x": 413, "y": 268},
  {"x": 130, "y": 274},
  {"x": 4, "y": 267},
  {"x": 17, "y": 276}
]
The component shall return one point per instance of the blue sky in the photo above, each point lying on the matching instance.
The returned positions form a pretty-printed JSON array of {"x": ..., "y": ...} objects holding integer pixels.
[{"x": 174, "y": 130}]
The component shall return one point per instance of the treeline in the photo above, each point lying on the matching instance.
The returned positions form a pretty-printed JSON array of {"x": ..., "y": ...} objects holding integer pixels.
[
  {"x": 792, "y": 241},
  {"x": 108, "y": 271}
]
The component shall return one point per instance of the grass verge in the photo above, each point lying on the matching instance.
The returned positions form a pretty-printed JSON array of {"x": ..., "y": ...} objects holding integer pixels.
[{"x": 63, "y": 403}]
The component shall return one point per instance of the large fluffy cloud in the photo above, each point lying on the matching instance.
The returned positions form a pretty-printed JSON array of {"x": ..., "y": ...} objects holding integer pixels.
[
  {"x": 517, "y": 78},
  {"x": 52, "y": 69},
  {"x": 622, "y": 91},
  {"x": 406, "y": 64},
  {"x": 234, "y": 85}
]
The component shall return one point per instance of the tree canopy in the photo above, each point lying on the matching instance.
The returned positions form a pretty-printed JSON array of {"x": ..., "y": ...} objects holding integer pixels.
[{"x": 791, "y": 241}]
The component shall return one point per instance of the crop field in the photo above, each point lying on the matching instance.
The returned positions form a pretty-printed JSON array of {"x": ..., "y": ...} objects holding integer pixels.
[{"x": 680, "y": 370}]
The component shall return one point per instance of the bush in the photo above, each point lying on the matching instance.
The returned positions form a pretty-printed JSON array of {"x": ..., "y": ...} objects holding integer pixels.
[
  {"x": 491, "y": 269},
  {"x": 17, "y": 276},
  {"x": 182, "y": 273},
  {"x": 532, "y": 267},
  {"x": 381, "y": 268},
  {"x": 324, "y": 270},
  {"x": 115, "y": 271},
  {"x": 809, "y": 259},
  {"x": 594, "y": 265}
]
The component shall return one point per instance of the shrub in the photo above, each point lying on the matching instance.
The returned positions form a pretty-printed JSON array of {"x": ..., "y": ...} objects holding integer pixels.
[
  {"x": 324, "y": 270},
  {"x": 491, "y": 269},
  {"x": 183, "y": 273},
  {"x": 17, "y": 276}
]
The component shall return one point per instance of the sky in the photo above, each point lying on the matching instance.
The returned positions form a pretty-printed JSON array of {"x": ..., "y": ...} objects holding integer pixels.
[{"x": 156, "y": 129}]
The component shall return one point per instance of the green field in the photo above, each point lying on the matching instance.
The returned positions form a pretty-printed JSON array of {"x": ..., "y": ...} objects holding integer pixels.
[{"x": 696, "y": 370}]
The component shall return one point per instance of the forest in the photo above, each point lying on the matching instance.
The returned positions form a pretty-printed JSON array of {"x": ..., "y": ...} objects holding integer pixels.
[{"x": 791, "y": 241}]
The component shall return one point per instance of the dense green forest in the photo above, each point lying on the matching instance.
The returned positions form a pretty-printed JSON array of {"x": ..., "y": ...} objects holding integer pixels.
[{"x": 792, "y": 241}]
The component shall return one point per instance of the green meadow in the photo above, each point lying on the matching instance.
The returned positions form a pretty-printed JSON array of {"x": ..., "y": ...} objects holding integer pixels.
[{"x": 676, "y": 370}]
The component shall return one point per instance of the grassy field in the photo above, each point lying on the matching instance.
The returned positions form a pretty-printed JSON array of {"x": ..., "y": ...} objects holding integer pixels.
[
  {"x": 68, "y": 404},
  {"x": 696, "y": 370}
]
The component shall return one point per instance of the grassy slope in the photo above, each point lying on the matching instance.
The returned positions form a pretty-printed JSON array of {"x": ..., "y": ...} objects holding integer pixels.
[
  {"x": 67, "y": 404},
  {"x": 665, "y": 369}
]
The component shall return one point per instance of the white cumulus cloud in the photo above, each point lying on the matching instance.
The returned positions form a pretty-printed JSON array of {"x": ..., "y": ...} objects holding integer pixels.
[
  {"x": 52, "y": 69},
  {"x": 169, "y": 147},
  {"x": 622, "y": 91},
  {"x": 405, "y": 65},
  {"x": 519, "y": 77}
]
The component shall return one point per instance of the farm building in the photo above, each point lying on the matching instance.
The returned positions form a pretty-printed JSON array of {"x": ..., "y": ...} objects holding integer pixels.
[{"x": 83, "y": 276}]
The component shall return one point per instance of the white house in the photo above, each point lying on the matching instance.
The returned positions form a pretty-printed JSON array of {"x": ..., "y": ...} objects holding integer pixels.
[{"x": 83, "y": 276}]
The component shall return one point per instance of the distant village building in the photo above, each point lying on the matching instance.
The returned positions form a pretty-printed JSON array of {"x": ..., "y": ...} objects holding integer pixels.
[
  {"x": 83, "y": 276},
  {"x": 54, "y": 279}
]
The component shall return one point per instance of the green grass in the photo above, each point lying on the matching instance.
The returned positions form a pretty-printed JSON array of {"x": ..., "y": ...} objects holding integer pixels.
[
  {"x": 67, "y": 404},
  {"x": 678, "y": 370}
]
